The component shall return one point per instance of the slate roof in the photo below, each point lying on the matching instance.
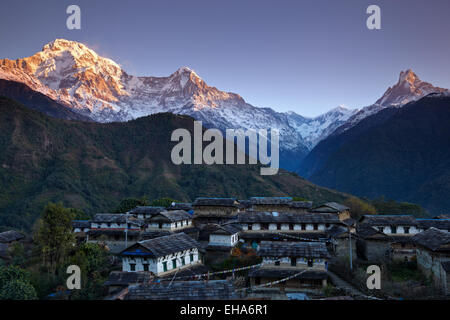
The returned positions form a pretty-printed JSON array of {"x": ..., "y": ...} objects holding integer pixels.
[
  {"x": 116, "y": 218},
  {"x": 123, "y": 278},
  {"x": 112, "y": 232},
  {"x": 81, "y": 224},
  {"x": 331, "y": 207},
  {"x": 301, "y": 204},
  {"x": 433, "y": 239},
  {"x": 389, "y": 220},
  {"x": 270, "y": 200},
  {"x": 228, "y": 229},
  {"x": 222, "y": 202},
  {"x": 165, "y": 245},
  {"x": 245, "y": 204},
  {"x": 181, "y": 206},
  {"x": 337, "y": 230},
  {"x": 293, "y": 249},
  {"x": 173, "y": 216},
  {"x": 10, "y": 236},
  {"x": 268, "y": 235},
  {"x": 366, "y": 231},
  {"x": 183, "y": 290},
  {"x": 284, "y": 273},
  {"x": 446, "y": 266},
  {"x": 148, "y": 210},
  {"x": 443, "y": 224},
  {"x": 286, "y": 217}
]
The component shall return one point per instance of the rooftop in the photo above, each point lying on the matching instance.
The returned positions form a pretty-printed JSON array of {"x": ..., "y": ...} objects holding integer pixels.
[
  {"x": 270, "y": 200},
  {"x": 225, "y": 202},
  {"x": 433, "y": 239},
  {"x": 10, "y": 236},
  {"x": 293, "y": 249},
  {"x": 286, "y": 217},
  {"x": 389, "y": 220},
  {"x": 162, "y": 246},
  {"x": 183, "y": 290}
]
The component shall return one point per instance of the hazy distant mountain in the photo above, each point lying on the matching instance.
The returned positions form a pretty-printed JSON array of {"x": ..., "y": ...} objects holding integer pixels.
[{"x": 76, "y": 77}]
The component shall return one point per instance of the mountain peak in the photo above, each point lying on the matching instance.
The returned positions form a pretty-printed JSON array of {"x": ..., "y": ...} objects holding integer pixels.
[
  {"x": 408, "y": 88},
  {"x": 408, "y": 76}
]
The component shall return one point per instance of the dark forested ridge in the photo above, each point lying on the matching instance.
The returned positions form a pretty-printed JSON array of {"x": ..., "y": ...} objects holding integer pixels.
[
  {"x": 92, "y": 166},
  {"x": 37, "y": 101},
  {"x": 400, "y": 153}
]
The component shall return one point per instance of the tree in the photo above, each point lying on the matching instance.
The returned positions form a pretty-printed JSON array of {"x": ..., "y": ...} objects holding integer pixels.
[
  {"x": 18, "y": 290},
  {"x": 163, "y": 202},
  {"x": 359, "y": 208},
  {"x": 54, "y": 236},
  {"x": 15, "y": 284},
  {"x": 130, "y": 203}
]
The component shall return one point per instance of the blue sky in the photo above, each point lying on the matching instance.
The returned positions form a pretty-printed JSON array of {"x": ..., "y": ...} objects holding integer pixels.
[{"x": 305, "y": 56}]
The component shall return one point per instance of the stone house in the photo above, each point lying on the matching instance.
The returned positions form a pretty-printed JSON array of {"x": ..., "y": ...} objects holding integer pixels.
[
  {"x": 279, "y": 204},
  {"x": 340, "y": 210},
  {"x": 215, "y": 210},
  {"x": 372, "y": 245},
  {"x": 285, "y": 259},
  {"x": 170, "y": 221},
  {"x": 260, "y": 226},
  {"x": 145, "y": 212},
  {"x": 441, "y": 224},
  {"x": 8, "y": 239},
  {"x": 433, "y": 257},
  {"x": 342, "y": 241},
  {"x": 182, "y": 290},
  {"x": 116, "y": 231},
  {"x": 300, "y": 206},
  {"x": 161, "y": 255},
  {"x": 399, "y": 229}
]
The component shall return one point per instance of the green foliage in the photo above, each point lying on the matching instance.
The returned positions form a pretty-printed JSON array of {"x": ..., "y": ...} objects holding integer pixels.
[
  {"x": 394, "y": 207},
  {"x": 94, "y": 262},
  {"x": 18, "y": 254},
  {"x": 55, "y": 236},
  {"x": 15, "y": 284},
  {"x": 18, "y": 290},
  {"x": 359, "y": 207},
  {"x": 299, "y": 199},
  {"x": 79, "y": 214},
  {"x": 130, "y": 203},
  {"x": 163, "y": 202}
]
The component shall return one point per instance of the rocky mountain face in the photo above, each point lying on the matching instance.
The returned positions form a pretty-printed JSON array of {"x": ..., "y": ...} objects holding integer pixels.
[{"x": 75, "y": 76}]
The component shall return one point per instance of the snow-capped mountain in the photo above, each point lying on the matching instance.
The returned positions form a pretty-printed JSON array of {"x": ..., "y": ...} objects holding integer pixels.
[
  {"x": 408, "y": 88},
  {"x": 78, "y": 78}
]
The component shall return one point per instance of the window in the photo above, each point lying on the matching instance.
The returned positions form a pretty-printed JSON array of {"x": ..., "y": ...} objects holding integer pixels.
[
  {"x": 182, "y": 261},
  {"x": 277, "y": 263},
  {"x": 293, "y": 262},
  {"x": 165, "y": 266},
  {"x": 257, "y": 280},
  {"x": 406, "y": 229},
  {"x": 278, "y": 226},
  {"x": 132, "y": 267},
  {"x": 191, "y": 257},
  {"x": 327, "y": 225},
  {"x": 291, "y": 226},
  {"x": 146, "y": 268},
  {"x": 160, "y": 225},
  {"x": 310, "y": 262},
  {"x": 249, "y": 227},
  {"x": 316, "y": 227},
  {"x": 174, "y": 263},
  {"x": 393, "y": 229},
  {"x": 303, "y": 226}
]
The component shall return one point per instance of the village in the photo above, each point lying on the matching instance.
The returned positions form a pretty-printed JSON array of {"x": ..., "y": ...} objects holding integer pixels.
[{"x": 272, "y": 248}]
